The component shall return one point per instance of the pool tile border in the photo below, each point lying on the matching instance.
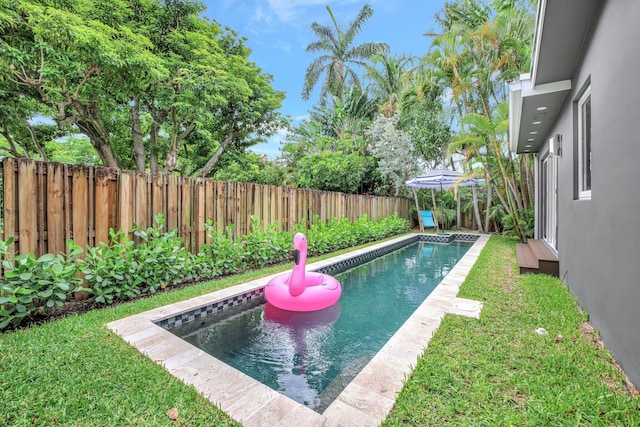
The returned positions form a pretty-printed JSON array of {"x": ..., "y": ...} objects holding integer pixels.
[{"x": 366, "y": 401}]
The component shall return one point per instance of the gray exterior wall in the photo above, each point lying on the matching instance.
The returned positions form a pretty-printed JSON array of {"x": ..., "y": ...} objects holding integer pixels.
[{"x": 599, "y": 239}]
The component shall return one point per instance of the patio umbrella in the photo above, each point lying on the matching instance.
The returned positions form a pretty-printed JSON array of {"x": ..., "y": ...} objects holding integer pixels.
[{"x": 443, "y": 179}]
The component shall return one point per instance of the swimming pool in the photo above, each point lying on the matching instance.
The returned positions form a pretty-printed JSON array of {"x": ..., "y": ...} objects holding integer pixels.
[
  {"x": 311, "y": 357},
  {"x": 365, "y": 401}
]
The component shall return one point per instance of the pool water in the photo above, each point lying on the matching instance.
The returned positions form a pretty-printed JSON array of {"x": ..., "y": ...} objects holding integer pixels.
[{"x": 311, "y": 357}]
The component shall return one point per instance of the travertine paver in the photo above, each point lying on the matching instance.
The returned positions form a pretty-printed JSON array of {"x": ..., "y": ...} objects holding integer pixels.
[{"x": 366, "y": 401}]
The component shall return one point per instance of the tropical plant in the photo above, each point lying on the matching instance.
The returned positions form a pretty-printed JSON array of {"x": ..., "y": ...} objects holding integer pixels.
[
  {"x": 390, "y": 79},
  {"x": 33, "y": 284},
  {"x": 339, "y": 55},
  {"x": 481, "y": 48}
]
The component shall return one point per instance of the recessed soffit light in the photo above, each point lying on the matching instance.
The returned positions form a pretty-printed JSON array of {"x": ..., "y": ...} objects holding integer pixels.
[{"x": 541, "y": 108}]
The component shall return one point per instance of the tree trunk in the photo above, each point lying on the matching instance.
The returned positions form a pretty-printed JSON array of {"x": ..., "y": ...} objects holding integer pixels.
[
  {"x": 415, "y": 197},
  {"x": 90, "y": 123},
  {"x": 503, "y": 201},
  {"x": 476, "y": 209},
  {"x": 175, "y": 140},
  {"x": 489, "y": 197},
  {"x": 158, "y": 116},
  {"x": 34, "y": 139},
  {"x": 153, "y": 148},
  {"x": 12, "y": 149},
  {"x": 458, "y": 216},
  {"x": 139, "y": 153},
  {"x": 216, "y": 156}
]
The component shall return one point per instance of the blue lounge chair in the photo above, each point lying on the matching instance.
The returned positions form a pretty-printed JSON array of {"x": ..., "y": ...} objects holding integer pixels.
[{"x": 427, "y": 219}]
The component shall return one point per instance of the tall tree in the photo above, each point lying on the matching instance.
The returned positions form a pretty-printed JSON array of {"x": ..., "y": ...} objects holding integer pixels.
[
  {"x": 480, "y": 49},
  {"x": 66, "y": 58},
  {"x": 395, "y": 150},
  {"x": 339, "y": 55},
  {"x": 390, "y": 78}
]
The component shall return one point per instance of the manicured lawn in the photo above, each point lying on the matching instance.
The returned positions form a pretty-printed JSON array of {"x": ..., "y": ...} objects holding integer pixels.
[
  {"x": 75, "y": 372},
  {"x": 492, "y": 371},
  {"x": 499, "y": 371}
]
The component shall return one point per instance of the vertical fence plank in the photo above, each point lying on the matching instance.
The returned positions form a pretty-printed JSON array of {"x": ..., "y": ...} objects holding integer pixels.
[
  {"x": 199, "y": 214},
  {"x": 256, "y": 210},
  {"x": 277, "y": 196},
  {"x": 10, "y": 193},
  {"x": 91, "y": 203},
  {"x": 173, "y": 200},
  {"x": 241, "y": 209},
  {"x": 210, "y": 209},
  {"x": 158, "y": 198},
  {"x": 187, "y": 210},
  {"x": 41, "y": 207},
  {"x": 141, "y": 201},
  {"x": 79, "y": 214},
  {"x": 230, "y": 217},
  {"x": 221, "y": 205},
  {"x": 267, "y": 216},
  {"x": 27, "y": 206},
  {"x": 125, "y": 202},
  {"x": 291, "y": 202},
  {"x": 250, "y": 204},
  {"x": 101, "y": 206},
  {"x": 79, "y": 202},
  {"x": 55, "y": 208}
]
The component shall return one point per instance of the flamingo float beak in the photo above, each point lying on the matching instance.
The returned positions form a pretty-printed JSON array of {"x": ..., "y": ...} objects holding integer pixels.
[{"x": 296, "y": 256}]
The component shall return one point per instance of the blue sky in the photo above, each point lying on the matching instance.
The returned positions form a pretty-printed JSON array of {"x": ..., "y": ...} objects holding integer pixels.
[{"x": 278, "y": 31}]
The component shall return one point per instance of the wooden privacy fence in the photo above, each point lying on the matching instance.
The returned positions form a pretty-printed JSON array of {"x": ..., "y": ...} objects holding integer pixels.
[{"x": 46, "y": 203}]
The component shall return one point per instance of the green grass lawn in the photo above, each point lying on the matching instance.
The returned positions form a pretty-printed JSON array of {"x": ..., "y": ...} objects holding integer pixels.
[
  {"x": 492, "y": 371},
  {"x": 499, "y": 371}
]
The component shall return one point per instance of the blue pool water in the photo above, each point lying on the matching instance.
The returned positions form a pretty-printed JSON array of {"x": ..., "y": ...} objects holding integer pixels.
[{"x": 311, "y": 357}]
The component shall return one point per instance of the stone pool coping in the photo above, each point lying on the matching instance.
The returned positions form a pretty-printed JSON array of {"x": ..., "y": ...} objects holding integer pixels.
[{"x": 366, "y": 401}]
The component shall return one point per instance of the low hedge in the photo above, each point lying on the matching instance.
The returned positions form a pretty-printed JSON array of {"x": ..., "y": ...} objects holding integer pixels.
[{"x": 123, "y": 269}]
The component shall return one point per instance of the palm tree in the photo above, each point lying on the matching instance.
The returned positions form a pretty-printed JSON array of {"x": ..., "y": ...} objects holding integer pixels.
[
  {"x": 479, "y": 49},
  {"x": 338, "y": 55},
  {"x": 390, "y": 77}
]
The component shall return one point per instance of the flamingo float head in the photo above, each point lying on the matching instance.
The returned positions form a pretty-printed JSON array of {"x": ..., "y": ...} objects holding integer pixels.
[{"x": 297, "y": 279}]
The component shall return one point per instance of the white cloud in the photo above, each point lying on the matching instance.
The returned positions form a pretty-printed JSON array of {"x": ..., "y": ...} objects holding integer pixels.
[{"x": 290, "y": 10}]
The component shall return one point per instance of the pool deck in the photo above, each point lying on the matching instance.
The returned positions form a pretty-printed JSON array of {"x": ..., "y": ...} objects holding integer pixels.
[{"x": 366, "y": 401}]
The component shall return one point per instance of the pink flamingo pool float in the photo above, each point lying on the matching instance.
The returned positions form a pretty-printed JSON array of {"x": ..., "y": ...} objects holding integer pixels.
[{"x": 300, "y": 290}]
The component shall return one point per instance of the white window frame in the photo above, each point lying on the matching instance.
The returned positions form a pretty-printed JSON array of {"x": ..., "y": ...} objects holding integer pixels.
[{"x": 583, "y": 192}]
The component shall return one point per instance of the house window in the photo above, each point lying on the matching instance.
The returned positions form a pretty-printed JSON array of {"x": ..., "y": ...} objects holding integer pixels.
[{"x": 584, "y": 145}]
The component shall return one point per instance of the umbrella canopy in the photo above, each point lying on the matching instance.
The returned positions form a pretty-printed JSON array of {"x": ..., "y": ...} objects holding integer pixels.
[{"x": 441, "y": 179}]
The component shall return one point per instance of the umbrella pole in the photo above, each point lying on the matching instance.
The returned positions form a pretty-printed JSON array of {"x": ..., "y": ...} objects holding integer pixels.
[
  {"x": 415, "y": 197},
  {"x": 442, "y": 206},
  {"x": 433, "y": 200}
]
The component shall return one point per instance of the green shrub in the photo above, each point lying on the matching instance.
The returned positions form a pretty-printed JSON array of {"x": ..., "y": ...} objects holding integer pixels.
[
  {"x": 226, "y": 253},
  {"x": 109, "y": 271},
  {"x": 122, "y": 270},
  {"x": 524, "y": 228},
  {"x": 31, "y": 284},
  {"x": 262, "y": 248},
  {"x": 159, "y": 258}
]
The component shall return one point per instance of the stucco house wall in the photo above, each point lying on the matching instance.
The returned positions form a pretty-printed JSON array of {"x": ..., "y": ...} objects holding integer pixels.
[{"x": 599, "y": 239}]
